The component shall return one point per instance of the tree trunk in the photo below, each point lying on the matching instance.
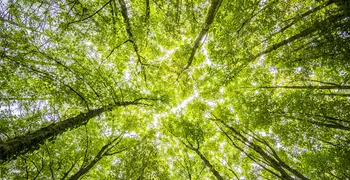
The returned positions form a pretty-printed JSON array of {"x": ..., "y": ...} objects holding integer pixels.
[
  {"x": 207, "y": 163},
  {"x": 125, "y": 13},
  {"x": 300, "y": 17},
  {"x": 215, "y": 4},
  {"x": 278, "y": 164},
  {"x": 316, "y": 26},
  {"x": 20, "y": 145},
  {"x": 204, "y": 159},
  {"x": 85, "y": 170},
  {"x": 304, "y": 87},
  {"x": 334, "y": 125},
  {"x": 104, "y": 151}
]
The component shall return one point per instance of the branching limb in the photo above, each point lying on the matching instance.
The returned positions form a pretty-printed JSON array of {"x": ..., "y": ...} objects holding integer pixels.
[
  {"x": 111, "y": 52},
  {"x": 104, "y": 151},
  {"x": 254, "y": 15},
  {"x": 215, "y": 4},
  {"x": 91, "y": 15}
]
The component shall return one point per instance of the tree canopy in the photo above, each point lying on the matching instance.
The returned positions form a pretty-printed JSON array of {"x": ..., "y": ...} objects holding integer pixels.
[{"x": 175, "y": 89}]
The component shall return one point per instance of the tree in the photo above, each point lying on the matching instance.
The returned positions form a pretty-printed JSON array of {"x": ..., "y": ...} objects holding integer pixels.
[
  {"x": 247, "y": 89},
  {"x": 193, "y": 138},
  {"x": 25, "y": 143},
  {"x": 273, "y": 160},
  {"x": 106, "y": 150}
]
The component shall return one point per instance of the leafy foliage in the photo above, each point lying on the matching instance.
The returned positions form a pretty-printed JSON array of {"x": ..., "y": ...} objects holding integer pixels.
[{"x": 126, "y": 89}]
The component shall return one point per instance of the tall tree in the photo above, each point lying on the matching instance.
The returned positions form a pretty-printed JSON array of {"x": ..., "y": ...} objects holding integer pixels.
[{"x": 24, "y": 144}]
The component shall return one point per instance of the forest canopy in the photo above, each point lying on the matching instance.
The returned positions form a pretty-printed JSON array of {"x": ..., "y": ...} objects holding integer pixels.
[{"x": 175, "y": 89}]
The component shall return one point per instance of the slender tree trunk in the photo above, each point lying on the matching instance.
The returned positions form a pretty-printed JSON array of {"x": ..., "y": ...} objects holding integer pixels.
[
  {"x": 335, "y": 94},
  {"x": 207, "y": 163},
  {"x": 334, "y": 125},
  {"x": 316, "y": 26},
  {"x": 20, "y": 145},
  {"x": 104, "y": 151},
  {"x": 292, "y": 170},
  {"x": 204, "y": 159},
  {"x": 248, "y": 155},
  {"x": 148, "y": 11},
  {"x": 303, "y": 87},
  {"x": 128, "y": 29},
  {"x": 271, "y": 160},
  {"x": 215, "y": 4},
  {"x": 281, "y": 162},
  {"x": 85, "y": 170},
  {"x": 300, "y": 17},
  {"x": 328, "y": 118},
  {"x": 91, "y": 15},
  {"x": 278, "y": 164}
]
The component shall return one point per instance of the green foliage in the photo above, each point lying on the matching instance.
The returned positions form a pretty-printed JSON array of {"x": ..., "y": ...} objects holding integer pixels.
[{"x": 269, "y": 82}]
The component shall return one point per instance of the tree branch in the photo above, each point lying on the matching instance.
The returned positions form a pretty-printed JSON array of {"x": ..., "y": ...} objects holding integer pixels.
[
  {"x": 215, "y": 5},
  {"x": 90, "y": 16}
]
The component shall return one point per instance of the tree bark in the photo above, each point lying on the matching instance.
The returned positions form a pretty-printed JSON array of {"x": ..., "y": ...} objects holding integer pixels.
[
  {"x": 204, "y": 159},
  {"x": 86, "y": 169},
  {"x": 104, "y": 151},
  {"x": 302, "y": 34},
  {"x": 330, "y": 124},
  {"x": 304, "y": 87},
  {"x": 278, "y": 164},
  {"x": 20, "y": 145},
  {"x": 333, "y": 126},
  {"x": 301, "y": 16},
  {"x": 215, "y": 4},
  {"x": 207, "y": 163},
  {"x": 126, "y": 18},
  {"x": 91, "y": 15}
]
